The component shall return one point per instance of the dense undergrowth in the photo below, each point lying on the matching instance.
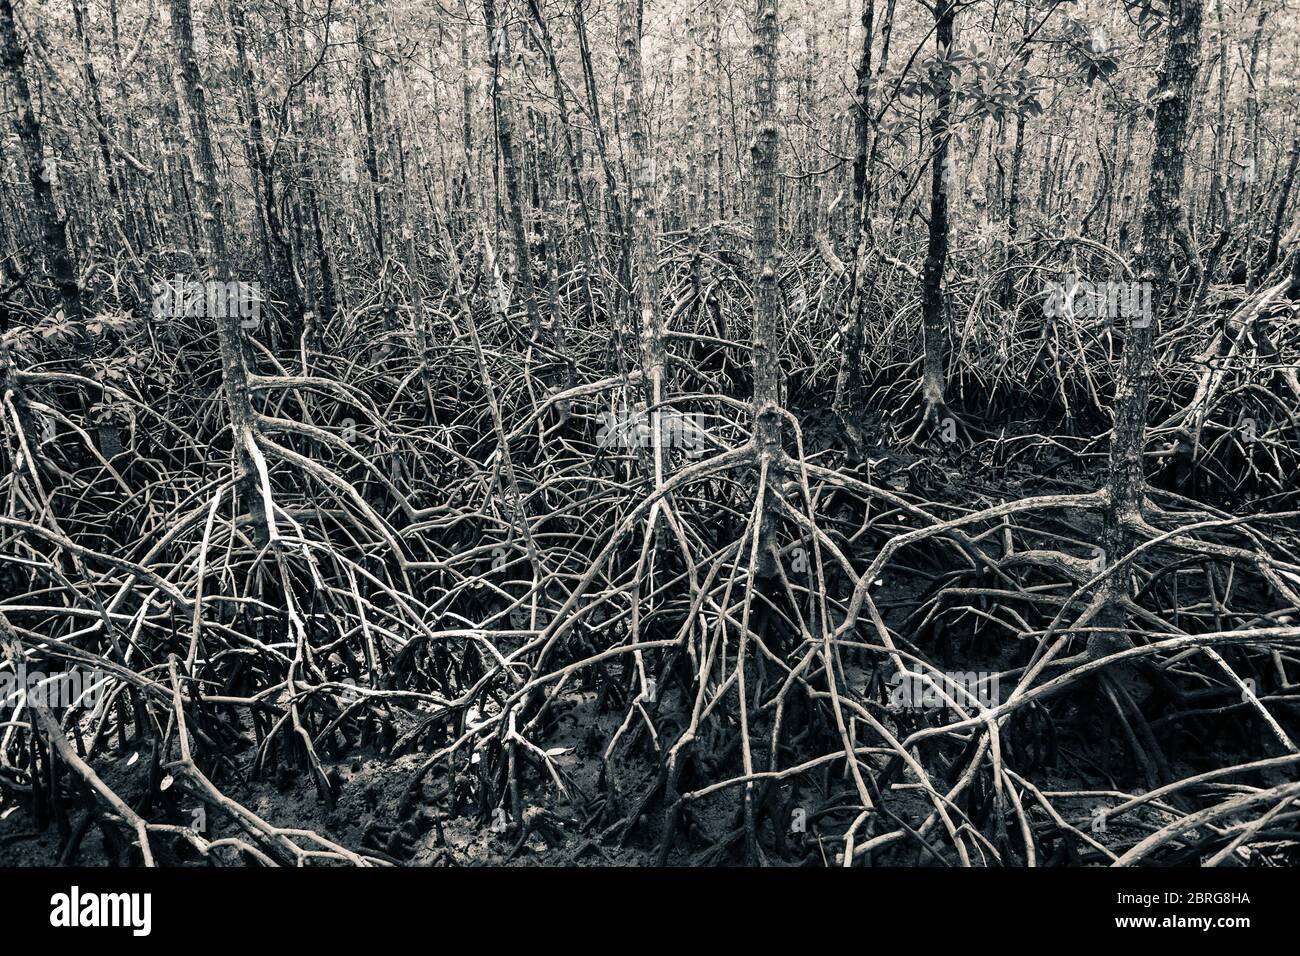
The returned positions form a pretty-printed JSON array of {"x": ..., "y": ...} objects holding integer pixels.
[{"x": 540, "y": 643}]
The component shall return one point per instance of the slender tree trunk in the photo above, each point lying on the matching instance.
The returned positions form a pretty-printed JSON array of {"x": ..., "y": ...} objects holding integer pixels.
[
  {"x": 116, "y": 213},
  {"x": 613, "y": 207},
  {"x": 505, "y": 124},
  {"x": 1253, "y": 159},
  {"x": 645, "y": 256},
  {"x": 281, "y": 264},
  {"x": 692, "y": 137},
  {"x": 862, "y": 116},
  {"x": 767, "y": 333},
  {"x": 1220, "y": 156},
  {"x": 718, "y": 127},
  {"x": 586, "y": 235},
  {"x": 1275, "y": 233},
  {"x": 175, "y": 162},
  {"x": 216, "y": 259},
  {"x": 936, "y": 257},
  {"x": 1018, "y": 151},
  {"x": 848, "y": 383},
  {"x": 54, "y": 231},
  {"x": 371, "y": 149},
  {"x": 1126, "y": 476}
]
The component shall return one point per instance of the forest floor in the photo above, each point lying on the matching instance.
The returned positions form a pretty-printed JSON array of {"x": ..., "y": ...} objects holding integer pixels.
[{"x": 443, "y": 825}]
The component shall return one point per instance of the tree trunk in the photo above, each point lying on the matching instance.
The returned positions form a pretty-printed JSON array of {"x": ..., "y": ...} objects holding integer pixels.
[
  {"x": 505, "y": 126},
  {"x": 1126, "y": 477},
  {"x": 936, "y": 257},
  {"x": 586, "y": 235},
  {"x": 848, "y": 383},
  {"x": 214, "y": 254},
  {"x": 1275, "y": 233},
  {"x": 281, "y": 264},
  {"x": 39, "y": 175},
  {"x": 370, "y": 147},
  {"x": 645, "y": 256},
  {"x": 767, "y": 337}
]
